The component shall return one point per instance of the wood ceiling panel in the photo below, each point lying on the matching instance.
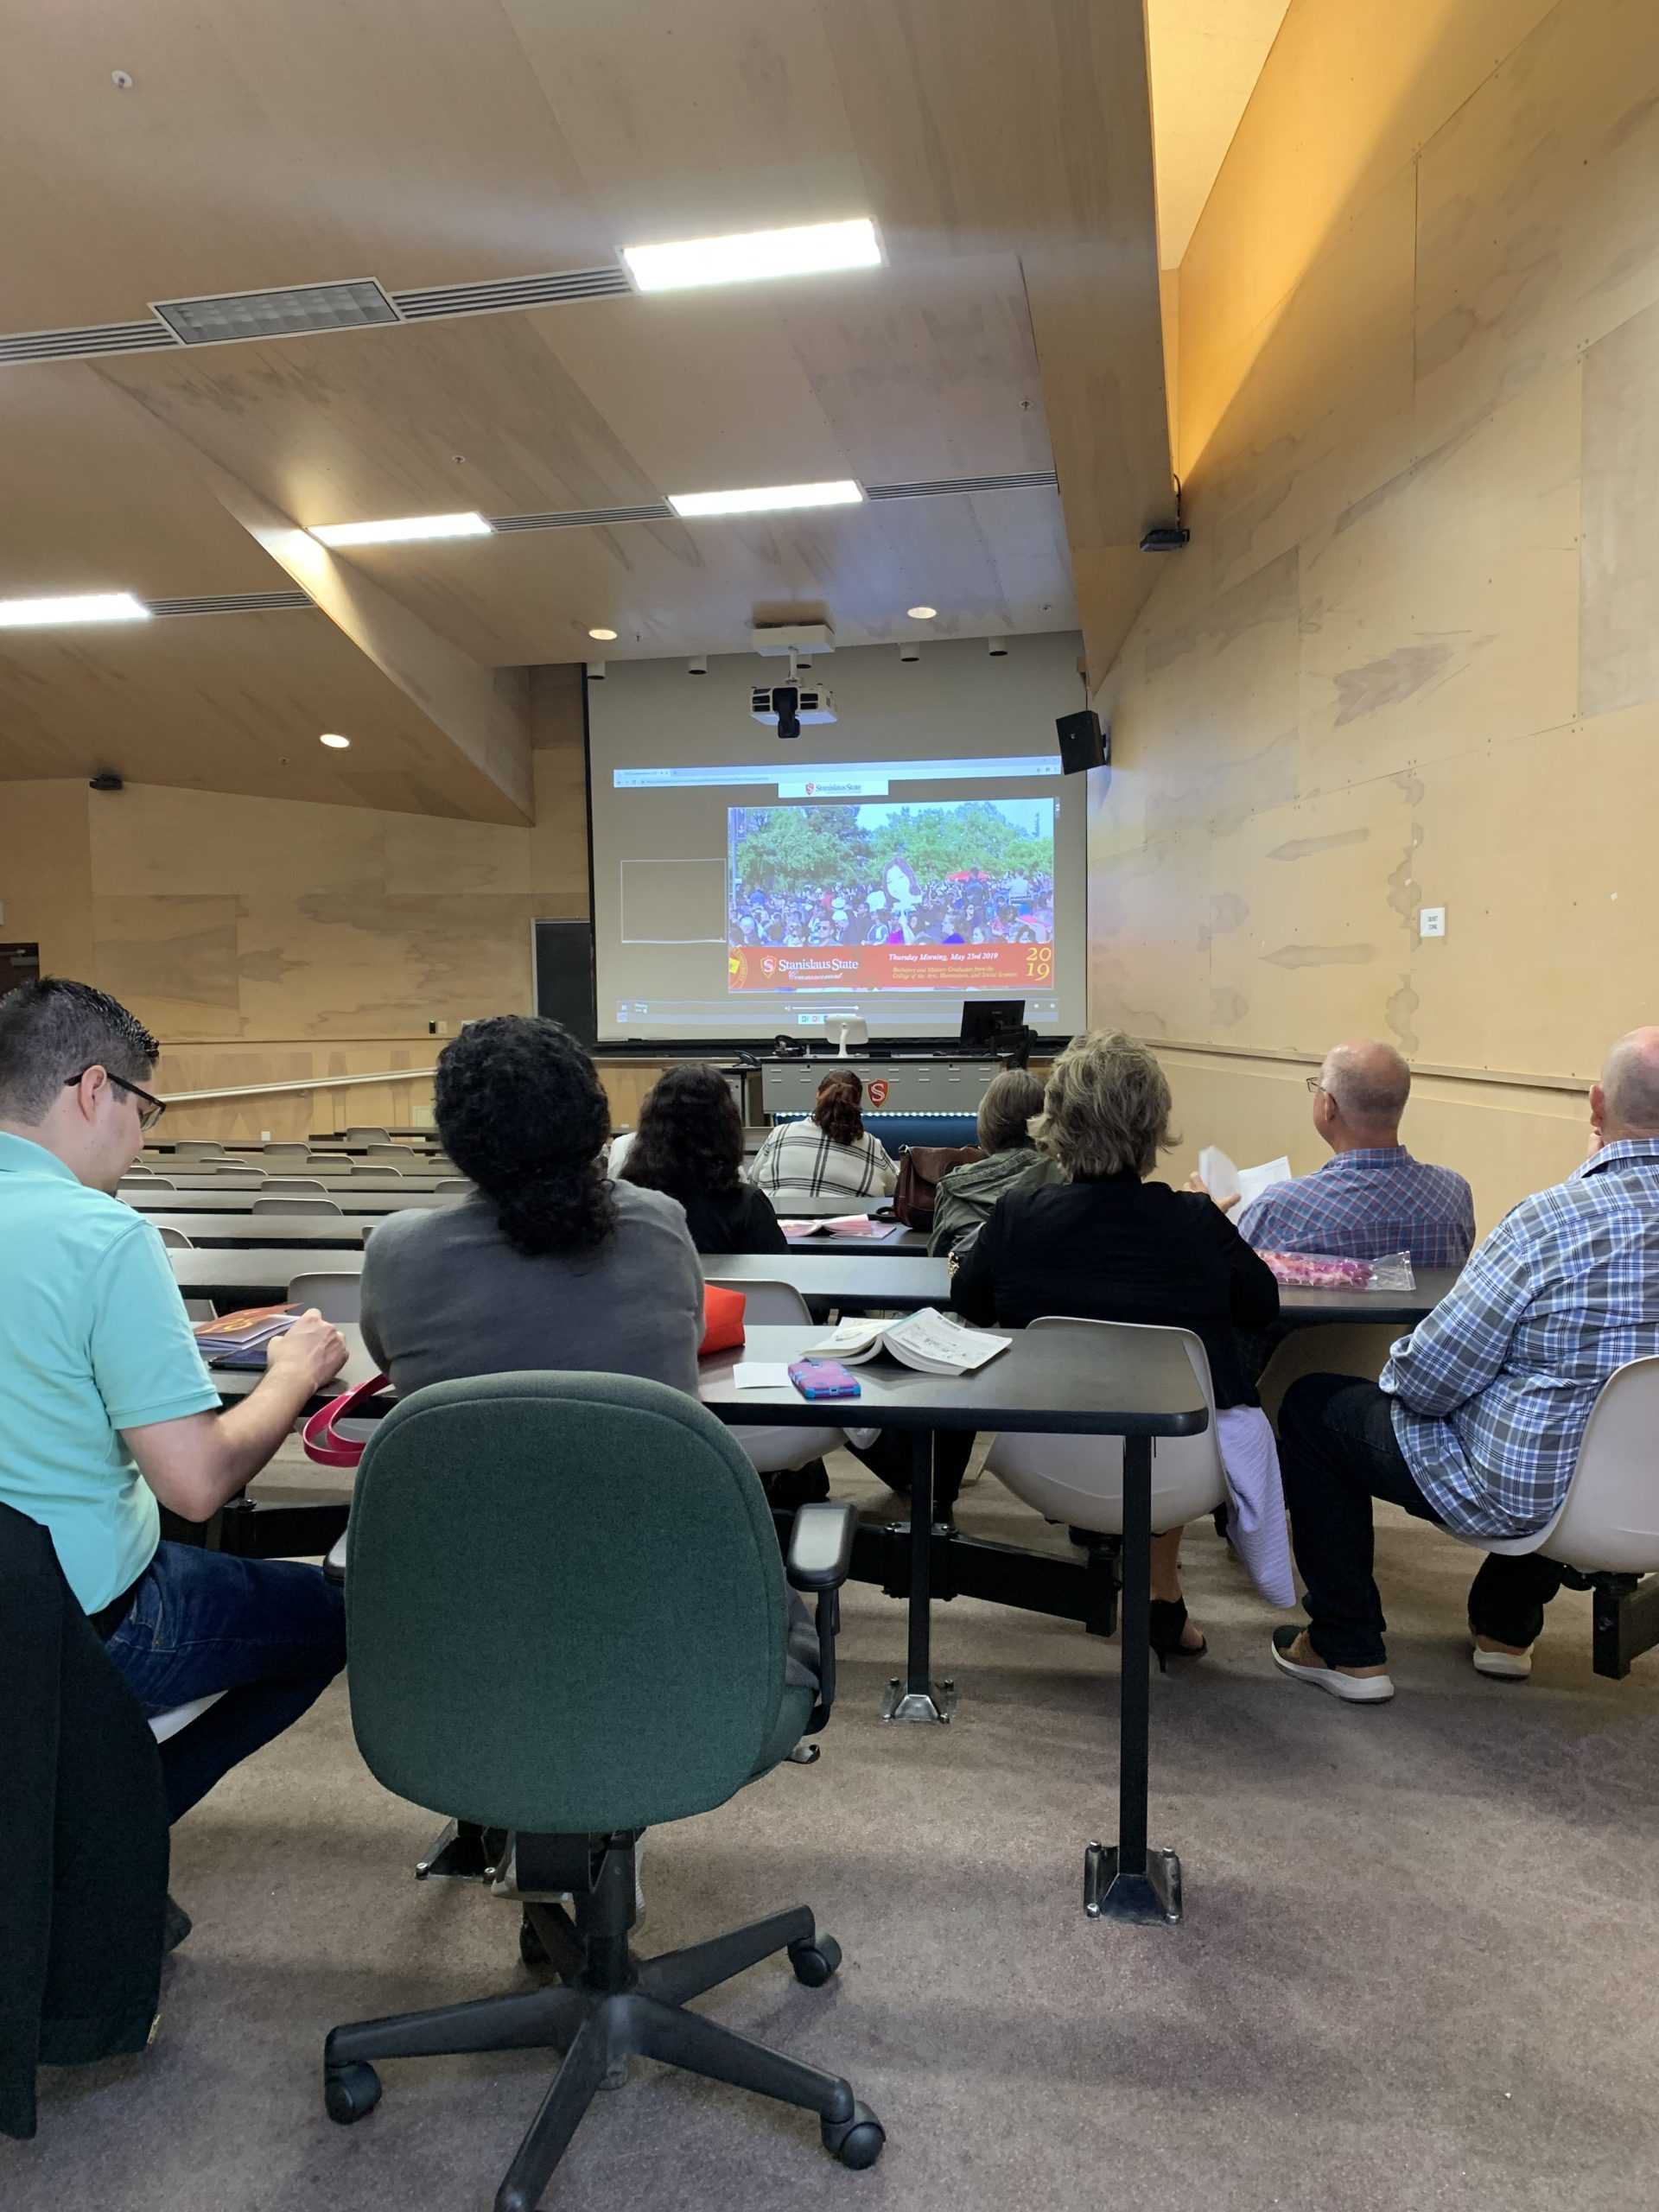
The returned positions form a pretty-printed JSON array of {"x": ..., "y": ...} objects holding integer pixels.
[
  {"x": 993, "y": 562},
  {"x": 228, "y": 703},
  {"x": 267, "y": 145},
  {"x": 92, "y": 500}
]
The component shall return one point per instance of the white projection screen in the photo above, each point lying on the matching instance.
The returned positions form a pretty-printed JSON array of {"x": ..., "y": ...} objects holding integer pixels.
[{"x": 921, "y": 850}]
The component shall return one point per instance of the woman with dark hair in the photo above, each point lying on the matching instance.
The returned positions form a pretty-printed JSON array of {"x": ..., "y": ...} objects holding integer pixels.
[
  {"x": 829, "y": 1162},
  {"x": 547, "y": 1264},
  {"x": 690, "y": 1145}
]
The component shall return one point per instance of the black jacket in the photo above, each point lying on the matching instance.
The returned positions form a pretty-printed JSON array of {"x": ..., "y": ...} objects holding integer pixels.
[
  {"x": 734, "y": 1221},
  {"x": 1120, "y": 1249},
  {"x": 85, "y": 1885}
]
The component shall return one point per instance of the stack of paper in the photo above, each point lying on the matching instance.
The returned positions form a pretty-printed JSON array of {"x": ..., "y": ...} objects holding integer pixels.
[{"x": 1224, "y": 1181}]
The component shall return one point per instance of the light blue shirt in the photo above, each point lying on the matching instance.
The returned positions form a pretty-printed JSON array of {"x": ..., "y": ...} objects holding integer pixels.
[{"x": 93, "y": 1339}]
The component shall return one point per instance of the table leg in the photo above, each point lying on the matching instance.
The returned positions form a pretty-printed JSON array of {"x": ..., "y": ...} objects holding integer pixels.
[
  {"x": 1124, "y": 1880},
  {"x": 913, "y": 1696}
]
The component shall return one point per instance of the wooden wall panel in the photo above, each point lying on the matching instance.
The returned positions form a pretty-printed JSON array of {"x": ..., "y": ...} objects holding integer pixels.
[
  {"x": 1409, "y": 657},
  {"x": 1619, "y": 641},
  {"x": 45, "y": 873}
]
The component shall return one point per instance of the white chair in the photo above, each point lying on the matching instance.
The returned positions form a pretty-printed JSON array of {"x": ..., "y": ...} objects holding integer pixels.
[
  {"x": 1608, "y": 1522},
  {"x": 618, "y": 1151},
  {"x": 197, "y": 1148},
  {"x": 174, "y": 1239},
  {"x": 295, "y": 1206},
  {"x": 447, "y": 1185},
  {"x": 163, "y": 1725},
  {"x": 388, "y": 1151},
  {"x": 146, "y": 1182},
  {"x": 1079, "y": 1479},
  {"x": 289, "y": 1152},
  {"x": 337, "y": 1297},
  {"x": 774, "y": 1450},
  {"x": 368, "y": 1136},
  {"x": 291, "y": 1186}
]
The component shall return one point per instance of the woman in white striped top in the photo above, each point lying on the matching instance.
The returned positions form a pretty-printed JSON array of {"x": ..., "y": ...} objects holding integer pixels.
[{"x": 829, "y": 1163}]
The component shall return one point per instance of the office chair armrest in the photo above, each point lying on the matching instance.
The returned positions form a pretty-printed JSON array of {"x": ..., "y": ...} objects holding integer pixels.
[
  {"x": 820, "y": 1558},
  {"x": 821, "y": 1547}
]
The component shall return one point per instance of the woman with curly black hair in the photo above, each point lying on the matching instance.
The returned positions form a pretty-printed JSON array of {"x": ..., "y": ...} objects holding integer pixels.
[
  {"x": 689, "y": 1145},
  {"x": 548, "y": 1264}
]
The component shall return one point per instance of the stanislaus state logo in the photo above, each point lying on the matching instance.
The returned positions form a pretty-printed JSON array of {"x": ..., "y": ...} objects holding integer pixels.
[{"x": 879, "y": 1091}]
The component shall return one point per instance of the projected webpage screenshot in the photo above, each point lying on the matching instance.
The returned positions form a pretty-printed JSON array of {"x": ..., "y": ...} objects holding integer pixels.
[{"x": 746, "y": 897}]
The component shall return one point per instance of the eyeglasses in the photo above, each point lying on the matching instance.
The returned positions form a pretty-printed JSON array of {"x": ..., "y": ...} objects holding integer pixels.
[
  {"x": 151, "y": 1109},
  {"x": 1314, "y": 1083}
]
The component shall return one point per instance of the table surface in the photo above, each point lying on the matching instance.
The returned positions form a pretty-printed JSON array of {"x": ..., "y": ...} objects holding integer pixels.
[
  {"x": 1039, "y": 1385},
  {"x": 370, "y": 1178},
  {"x": 231, "y": 1231},
  {"x": 351, "y": 1202},
  {"x": 1392, "y": 1307}
]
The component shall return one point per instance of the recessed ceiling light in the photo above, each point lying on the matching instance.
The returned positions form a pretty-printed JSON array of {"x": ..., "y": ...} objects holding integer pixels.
[
  {"x": 804, "y": 250},
  {"x": 400, "y": 529},
  {"x": 81, "y": 607},
  {"x": 332, "y": 739},
  {"x": 765, "y": 499},
  {"x": 604, "y": 636},
  {"x": 921, "y": 614}
]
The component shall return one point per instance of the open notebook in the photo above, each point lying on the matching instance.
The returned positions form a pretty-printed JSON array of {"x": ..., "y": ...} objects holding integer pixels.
[{"x": 927, "y": 1340}]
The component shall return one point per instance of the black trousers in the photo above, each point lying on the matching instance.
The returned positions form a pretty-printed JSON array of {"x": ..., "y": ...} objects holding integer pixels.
[
  {"x": 889, "y": 1457},
  {"x": 1337, "y": 1451}
]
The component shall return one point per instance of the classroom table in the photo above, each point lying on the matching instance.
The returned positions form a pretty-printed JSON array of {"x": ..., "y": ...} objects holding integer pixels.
[
  {"x": 370, "y": 1178},
  {"x": 230, "y": 1232},
  {"x": 1037, "y": 1386},
  {"x": 351, "y": 1202},
  {"x": 257, "y": 1274}
]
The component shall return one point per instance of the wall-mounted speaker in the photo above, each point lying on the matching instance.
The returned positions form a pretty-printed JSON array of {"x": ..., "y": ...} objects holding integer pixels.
[{"x": 1083, "y": 744}]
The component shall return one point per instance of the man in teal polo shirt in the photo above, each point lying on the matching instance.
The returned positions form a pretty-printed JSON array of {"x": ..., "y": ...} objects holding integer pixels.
[{"x": 106, "y": 1407}]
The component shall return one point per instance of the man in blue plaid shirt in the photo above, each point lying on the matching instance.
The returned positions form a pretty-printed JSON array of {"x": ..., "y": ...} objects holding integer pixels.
[
  {"x": 1370, "y": 1198},
  {"x": 1479, "y": 1417}
]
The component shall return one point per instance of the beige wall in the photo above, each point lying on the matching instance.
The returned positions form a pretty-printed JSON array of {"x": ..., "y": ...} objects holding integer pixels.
[
  {"x": 271, "y": 939},
  {"x": 1412, "y": 655}
]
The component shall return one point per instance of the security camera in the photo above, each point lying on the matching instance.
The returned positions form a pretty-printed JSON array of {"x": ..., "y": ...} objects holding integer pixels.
[
  {"x": 698, "y": 665},
  {"x": 908, "y": 651},
  {"x": 595, "y": 671},
  {"x": 997, "y": 648}
]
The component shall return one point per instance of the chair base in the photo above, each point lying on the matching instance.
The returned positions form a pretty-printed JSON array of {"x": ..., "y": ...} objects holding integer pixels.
[
  {"x": 937, "y": 1702},
  {"x": 1152, "y": 1898},
  {"x": 611, "y": 2007}
]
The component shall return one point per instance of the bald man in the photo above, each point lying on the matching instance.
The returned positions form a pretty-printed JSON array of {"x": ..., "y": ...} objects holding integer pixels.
[
  {"x": 1370, "y": 1198},
  {"x": 1479, "y": 1417}
]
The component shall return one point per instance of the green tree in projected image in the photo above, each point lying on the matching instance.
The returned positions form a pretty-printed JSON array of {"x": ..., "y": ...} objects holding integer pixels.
[{"x": 793, "y": 847}]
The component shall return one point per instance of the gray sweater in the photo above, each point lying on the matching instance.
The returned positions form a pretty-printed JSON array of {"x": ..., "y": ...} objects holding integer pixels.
[
  {"x": 966, "y": 1195},
  {"x": 445, "y": 1295}
]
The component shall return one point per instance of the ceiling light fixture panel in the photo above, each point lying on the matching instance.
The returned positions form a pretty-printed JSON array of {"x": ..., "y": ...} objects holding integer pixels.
[
  {"x": 80, "y": 606},
  {"x": 401, "y": 530},
  {"x": 294, "y": 312},
  {"x": 764, "y": 499},
  {"x": 334, "y": 742},
  {"x": 754, "y": 257}
]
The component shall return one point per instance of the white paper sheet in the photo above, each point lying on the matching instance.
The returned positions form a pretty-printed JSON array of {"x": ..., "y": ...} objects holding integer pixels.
[
  {"x": 1217, "y": 1174},
  {"x": 761, "y": 1375},
  {"x": 1252, "y": 1181}
]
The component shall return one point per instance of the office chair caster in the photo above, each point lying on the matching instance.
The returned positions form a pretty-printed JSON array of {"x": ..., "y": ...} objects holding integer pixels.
[
  {"x": 814, "y": 1962},
  {"x": 857, "y": 2142},
  {"x": 351, "y": 2093}
]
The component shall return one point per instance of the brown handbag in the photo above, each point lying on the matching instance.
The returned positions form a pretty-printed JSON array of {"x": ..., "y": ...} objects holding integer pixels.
[{"x": 922, "y": 1167}]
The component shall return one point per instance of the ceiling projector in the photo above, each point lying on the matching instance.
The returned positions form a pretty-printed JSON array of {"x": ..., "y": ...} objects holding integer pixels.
[{"x": 785, "y": 707}]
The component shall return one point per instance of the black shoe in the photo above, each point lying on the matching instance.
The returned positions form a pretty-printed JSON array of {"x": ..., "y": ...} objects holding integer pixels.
[
  {"x": 175, "y": 1926},
  {"x": 793, "y": 1486},
  {"x": 1165, "y": 1619}
]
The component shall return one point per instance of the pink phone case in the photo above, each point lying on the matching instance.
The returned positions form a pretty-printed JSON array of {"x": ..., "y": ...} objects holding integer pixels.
[{"x": 822, "y": 1378}]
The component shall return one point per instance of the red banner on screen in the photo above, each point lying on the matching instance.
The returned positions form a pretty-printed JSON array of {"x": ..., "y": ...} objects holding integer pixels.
[{"x": 889, "y": 967}]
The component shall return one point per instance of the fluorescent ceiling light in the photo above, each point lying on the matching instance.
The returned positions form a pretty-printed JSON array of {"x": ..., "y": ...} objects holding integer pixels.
[
  {"x": 921, "y": 614},
  {"x": 604, "y": 636},
  {"x": 82, "y": 606},
  {"x": 803, "y": 251},
  {"x": 765, "y": 499},
  {"x": 400, "y": 529},
  {"x": 332, "y": 739}
]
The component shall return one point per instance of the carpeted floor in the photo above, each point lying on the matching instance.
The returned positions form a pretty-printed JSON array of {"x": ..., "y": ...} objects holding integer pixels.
[{"x": 1418, "y": 1968}]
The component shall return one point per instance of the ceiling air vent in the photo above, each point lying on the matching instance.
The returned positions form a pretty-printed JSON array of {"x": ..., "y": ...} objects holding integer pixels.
[
  {"x": 85, "y": 345},
  {"x": 233, "y": 602},
  {"x": 1029, "y": 480},
  {"x": 511, "y": 293},
  {"x": 298, "y": 312},
  {"x": 586, "y": 517}
]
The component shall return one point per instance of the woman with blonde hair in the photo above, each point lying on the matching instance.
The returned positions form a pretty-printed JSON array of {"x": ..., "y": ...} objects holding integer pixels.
[{"x": 1110, "y": 1244}]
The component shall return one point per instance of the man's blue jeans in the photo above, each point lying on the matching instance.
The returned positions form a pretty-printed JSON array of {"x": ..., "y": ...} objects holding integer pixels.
[{"x": 268, "y": 1632}]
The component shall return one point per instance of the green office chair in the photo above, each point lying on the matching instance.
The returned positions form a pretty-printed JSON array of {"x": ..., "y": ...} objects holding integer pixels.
[{"x": 567, "y": 1623}]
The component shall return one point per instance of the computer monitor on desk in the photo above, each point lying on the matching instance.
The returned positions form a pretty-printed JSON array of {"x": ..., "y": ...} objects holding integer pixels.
[{"x": 983, "y": 1019}]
